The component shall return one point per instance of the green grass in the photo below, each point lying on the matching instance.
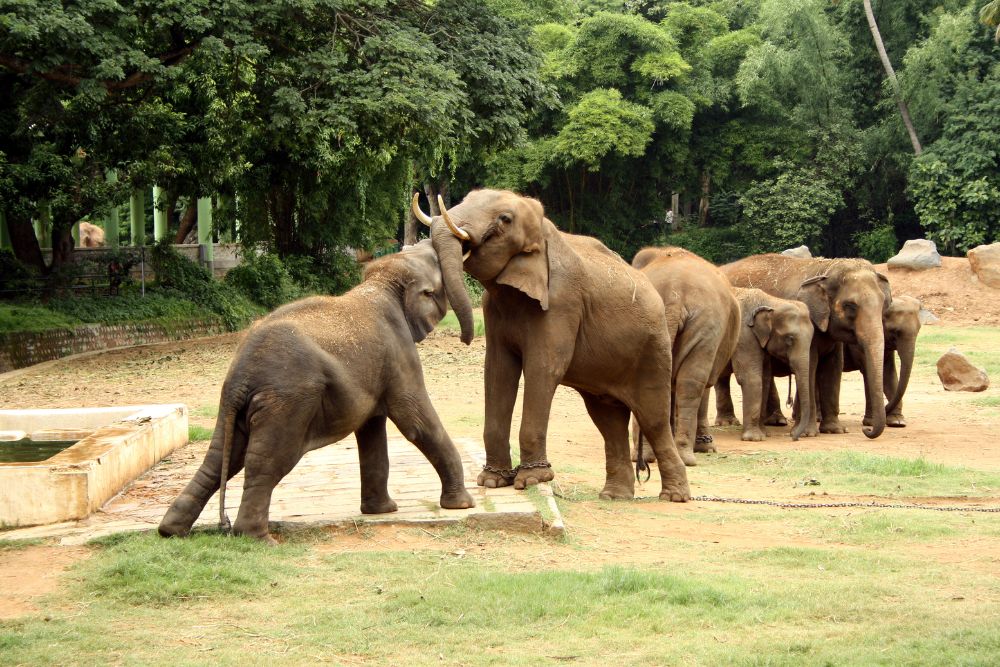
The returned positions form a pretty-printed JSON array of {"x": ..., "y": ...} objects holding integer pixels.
[
  {"x": 987, "y": 401},
  {"x": 450, "y": 322},
  {"x": 848, "y": 472},
  {"x": 27, "y": 318},
  {"x": 979, "y": 344},
  {"x": 196, "y": 432},
  {"x": 228, "y": 601},
  {"x": 206, "y": 411}
]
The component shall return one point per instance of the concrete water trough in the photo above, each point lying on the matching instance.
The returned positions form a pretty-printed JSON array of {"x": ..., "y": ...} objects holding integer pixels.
[{"x": 113, "y": 446}]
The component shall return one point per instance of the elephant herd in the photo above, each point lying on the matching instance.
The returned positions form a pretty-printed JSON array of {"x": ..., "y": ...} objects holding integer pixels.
[{"x": 646, "y": 341}]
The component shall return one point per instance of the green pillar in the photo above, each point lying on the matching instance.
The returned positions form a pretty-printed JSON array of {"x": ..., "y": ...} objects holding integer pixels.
[
  {"x": 159, "y": 214},
  {"x": 43, "y": 225},
  {"x": 4, "y": 234},
  {"x": 136, "y": 215},
  {"x": 226, "y": 235},
  {"x": 75, "y": 233},
  {"x": 113, "y": 219},
  {"x": 205, "y": 229}
]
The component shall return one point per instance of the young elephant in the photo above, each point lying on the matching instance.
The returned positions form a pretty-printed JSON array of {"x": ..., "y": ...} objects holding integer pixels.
[
  {"x": 902, "y": 324},
  {"x": 774, "y": 328},
  {"x": 316, "y": 370},
  {"x": 703, "y": 320}
]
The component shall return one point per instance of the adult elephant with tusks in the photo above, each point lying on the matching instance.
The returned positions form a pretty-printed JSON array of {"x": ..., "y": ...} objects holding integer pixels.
[
  {"x": 847, "y": 299},
  {"x": 559, "y": 309}
]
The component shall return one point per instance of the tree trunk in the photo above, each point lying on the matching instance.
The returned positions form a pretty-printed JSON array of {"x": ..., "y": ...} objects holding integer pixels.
[
  {"x": 187, "y": 221},
  {"x": 890, "y": 74},
  {"x": 24, "y": 242},
  {"x": 706, "y": 186}
]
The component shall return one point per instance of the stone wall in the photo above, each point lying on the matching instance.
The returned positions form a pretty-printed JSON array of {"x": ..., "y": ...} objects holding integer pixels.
[{"x": 20, "y": 349}]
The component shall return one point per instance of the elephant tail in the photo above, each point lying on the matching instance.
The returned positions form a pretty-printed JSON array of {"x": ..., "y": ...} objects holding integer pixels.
[
  {"x": 227, "y": 447},
  {"x": 640, "y": 460}
]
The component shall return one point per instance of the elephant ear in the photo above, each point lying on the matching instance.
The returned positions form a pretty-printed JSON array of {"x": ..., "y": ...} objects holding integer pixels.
[
  {"x": 760, "y": 322},
  {"x": 883, "y": 283},
  {"x": 812, "y": 292},
  {"x": 528, "y": 271}
]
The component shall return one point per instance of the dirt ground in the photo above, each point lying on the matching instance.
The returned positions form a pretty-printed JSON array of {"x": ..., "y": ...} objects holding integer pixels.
[{"x": 192, "y": 372}]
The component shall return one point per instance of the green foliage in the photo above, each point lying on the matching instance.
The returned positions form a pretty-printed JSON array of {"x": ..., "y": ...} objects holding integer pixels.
[
  {"x": 264, "y": 279},
  {"x": 179, "y": 276},
  {"x": 30, "y": 318},
  {"x": 718, "y": 245},
  {"x": 878, "y": 244},
  {"x": 130, "y": 306},
  {"x": 789, "y": 210},
  {"x": 602, "y": 123},
  {"x": 14, "y": 275}
]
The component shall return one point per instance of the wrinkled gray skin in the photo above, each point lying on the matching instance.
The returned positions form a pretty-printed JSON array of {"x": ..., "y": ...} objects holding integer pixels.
[
  {"x": 902, "y": 325},
  {"x": 315, "y": 371},
  {"x": 852, "y": 298},
  {"x": 772, "y": 329},
  {"x": 560, "y": 309},
  {"x": 703, "y": 321}
]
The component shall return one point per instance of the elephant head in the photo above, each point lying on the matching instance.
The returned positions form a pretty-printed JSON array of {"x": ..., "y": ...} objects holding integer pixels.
[
  {"x": 415, "y": 273},
  {"x": 902, "y": 324},
  {"x": 785, "y": 330},
  {"x": 851, "y": 299},
  {"x": 499, "y": 238}
]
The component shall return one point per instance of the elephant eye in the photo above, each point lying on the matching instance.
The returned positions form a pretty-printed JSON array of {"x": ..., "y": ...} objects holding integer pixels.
[
  {"x": 506, "y": 218},
  {"x": 428, "y": 292},
  {"x": 850, "y": 307}
]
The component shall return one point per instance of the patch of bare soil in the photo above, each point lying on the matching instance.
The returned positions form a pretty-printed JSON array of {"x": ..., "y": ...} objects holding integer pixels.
[
  {"x": 941, "y": 428},
  {"x": 951, "y": 291}
]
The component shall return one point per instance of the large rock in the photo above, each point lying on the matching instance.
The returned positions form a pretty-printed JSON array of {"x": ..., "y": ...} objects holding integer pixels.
[
  {"x": 985, "y": 262},
  {"x": 958, "y": 374},
  {"x": 916, "y": 254},
  {"x": 801, "y": 251}
]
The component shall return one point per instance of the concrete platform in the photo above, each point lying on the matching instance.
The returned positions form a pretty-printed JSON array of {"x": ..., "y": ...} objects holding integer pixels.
[
  {"x": 324, "y": 489},
  {"x": 115, "y": 446}
]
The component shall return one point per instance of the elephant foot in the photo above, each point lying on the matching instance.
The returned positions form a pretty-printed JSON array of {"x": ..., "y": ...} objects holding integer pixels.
[
  {"x": 379, "y": 506},
  {"x": 704, "y": 444},
  {"x": 255, "y": 532},
  {"x": 895, "y": 421},
  {"x": 617, "y": 491},
  {"x": 531, "y": 474},
  {"x": 753, "y": 435},
  {"x": 179, "y": 518},
  {"x": 726, "y": 420},
  {"x": 687, "y": 455},
  {"x": 776, "y": 419},
  {"x": 494, "y": 478},
  {"x": 677, "y": 492},
  {"x": 647, "y": 454},
  {"x": 457, "y": 500},
  {"x": 831, "y": 427}
]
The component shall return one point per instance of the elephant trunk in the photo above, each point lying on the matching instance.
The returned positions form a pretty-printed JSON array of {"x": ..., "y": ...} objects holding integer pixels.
[
  {"x": 449, "y": 252},
  {"x": 906, "y": 348},
  {"x": 803, "y": 389},
  {"x": 872, "y": 340}
]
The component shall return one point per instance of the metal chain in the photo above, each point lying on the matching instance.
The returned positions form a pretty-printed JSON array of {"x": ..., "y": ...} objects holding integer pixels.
[
  {"x": 776, "y": 503},
  {"x": 509, "y": 473}
]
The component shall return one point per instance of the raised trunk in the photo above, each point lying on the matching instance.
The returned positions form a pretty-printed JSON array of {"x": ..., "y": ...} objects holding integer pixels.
[
  {"x": 872, "y": 342},
  {"x": 906, "y": 351},
  {"x": 803, "y": 390},
  {"x": 449, "y": 252}
]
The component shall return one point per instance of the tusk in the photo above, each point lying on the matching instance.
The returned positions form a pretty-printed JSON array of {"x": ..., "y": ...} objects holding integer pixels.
[
  {"x": 460, "y": 233},
  {"x": 417, "y": 213},
  {"x": 466, "y": 255}
]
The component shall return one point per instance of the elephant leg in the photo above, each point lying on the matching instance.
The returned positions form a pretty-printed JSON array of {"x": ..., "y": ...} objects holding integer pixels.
[
  {"x": 773, "y": 411},
  {"x": 373, "y": 457},
  {"x": 611, "y": 418},
  {"x": 419, "y": 423},
  {"x": 186, "y": 509},
  {"x": 688, "y": 389},
  {"x": 890, "y": 383},
  {"x": 704, "y": 442},
  {"x": 673, "y": 473},
  {"x": 828, "y": 375},
  {"x": 725, "y": 412},
  {"x": 502, "y": 374},
  {"x": 539, "y": 387},
  {"x": 647, "y": 450},
  {"x": 750, "y": 378}
]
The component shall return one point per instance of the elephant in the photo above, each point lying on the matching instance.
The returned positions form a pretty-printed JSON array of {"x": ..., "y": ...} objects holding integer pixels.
[
  {"x": 91, "y": 236},
  {"x": 316, "y": 370},
  {"x": 773, "y": 329},
  {"x": 559, "y": 309},
  {"x": 847, "y": 300},
  {"x": 902, "y": 324},
  {"x": 703, "y": 321}
]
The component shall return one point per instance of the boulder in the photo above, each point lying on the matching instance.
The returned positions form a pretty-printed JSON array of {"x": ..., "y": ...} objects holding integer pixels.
[
  {"x": 916, "y": 254},
  {"x": 801, "y": 251},
  {"x": 985, "y": 262},
  {"x": 958, "y": 374}
]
